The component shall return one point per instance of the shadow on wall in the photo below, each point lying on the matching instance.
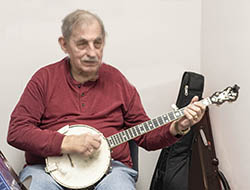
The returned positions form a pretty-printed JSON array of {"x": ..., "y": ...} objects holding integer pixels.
[{"x": 157, "y": 100}]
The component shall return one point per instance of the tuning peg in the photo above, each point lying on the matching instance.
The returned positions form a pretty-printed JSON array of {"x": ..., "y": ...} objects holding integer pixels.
[
  {"x": 174, "y": 107},
  {"x": 236, "y": 88}
]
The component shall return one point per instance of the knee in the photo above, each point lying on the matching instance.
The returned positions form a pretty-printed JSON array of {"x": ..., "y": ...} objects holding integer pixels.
[
  {"x": 112, "y": 186},
  {"x": 117, "y": 182},
  {"x": 40, "y": 180}
]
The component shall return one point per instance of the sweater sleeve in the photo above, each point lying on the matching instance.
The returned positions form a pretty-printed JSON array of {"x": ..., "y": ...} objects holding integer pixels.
[
  {"x": 24, "y": 128},
  {"x": 153, "y": 140}
]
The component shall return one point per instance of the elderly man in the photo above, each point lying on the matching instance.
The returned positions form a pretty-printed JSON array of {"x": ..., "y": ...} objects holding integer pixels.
[{"x": 81, "y": 89}]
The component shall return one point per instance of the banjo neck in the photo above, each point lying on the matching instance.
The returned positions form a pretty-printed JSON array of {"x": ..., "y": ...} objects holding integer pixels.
[
  {"x": 150, "y": 125},
  {"x": 229, "y": 94}
]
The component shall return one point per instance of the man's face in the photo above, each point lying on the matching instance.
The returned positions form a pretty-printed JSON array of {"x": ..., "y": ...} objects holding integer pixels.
[{"x": 85, "y": 49}]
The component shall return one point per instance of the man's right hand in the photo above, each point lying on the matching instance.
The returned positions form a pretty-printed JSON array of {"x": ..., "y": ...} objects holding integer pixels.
[{"x": 85, "y": 144}]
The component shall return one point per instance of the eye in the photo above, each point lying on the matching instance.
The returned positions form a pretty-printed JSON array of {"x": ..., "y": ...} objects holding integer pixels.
[
  {"x": 82, "y": 44},
  {"x": 98, "y": 43}
]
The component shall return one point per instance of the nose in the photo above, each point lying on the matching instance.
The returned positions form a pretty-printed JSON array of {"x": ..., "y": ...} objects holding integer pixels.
[{"x": 91, "y": 51}]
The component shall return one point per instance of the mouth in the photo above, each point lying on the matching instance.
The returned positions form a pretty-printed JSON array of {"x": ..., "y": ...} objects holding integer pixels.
[{"x": 90, "y": 62}]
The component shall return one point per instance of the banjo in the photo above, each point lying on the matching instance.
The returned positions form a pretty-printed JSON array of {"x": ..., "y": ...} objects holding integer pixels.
[{"x": 74, "y": 171}]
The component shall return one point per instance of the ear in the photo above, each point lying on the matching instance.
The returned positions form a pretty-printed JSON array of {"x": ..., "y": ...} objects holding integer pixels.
[{"x": 63, "y": 43}]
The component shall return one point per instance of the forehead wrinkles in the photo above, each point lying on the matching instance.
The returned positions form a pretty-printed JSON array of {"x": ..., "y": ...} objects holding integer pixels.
[{"x": 82, "y": 27}]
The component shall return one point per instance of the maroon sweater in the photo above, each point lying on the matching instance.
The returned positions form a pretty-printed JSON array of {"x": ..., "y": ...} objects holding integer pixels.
[{"x": 53, "y": 99}]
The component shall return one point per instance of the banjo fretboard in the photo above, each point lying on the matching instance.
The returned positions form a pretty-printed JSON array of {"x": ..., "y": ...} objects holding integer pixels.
[{"x": 138, "y": 130}]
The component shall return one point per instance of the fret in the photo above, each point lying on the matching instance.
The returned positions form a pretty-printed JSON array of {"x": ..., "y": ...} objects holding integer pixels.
[
  {"x": 117, "y": 139},
  {"x": 165, "y": 118},
  {"x": 121, "y": 137},
  {"x": 206, "y": 101},
  {"x": 137, "y": 130},
  {"x": 134, "y": 132},
  {"x": 182, "y": 111},
  {"x": 146, "y": 126},
  {"x": 151, "y": 126},
  {"x": 171, "y": 116},
  {"x": 114, "y": 140},
  {"x": 142, "y": 129},
  {"x": 155, "y": 122},
  {"x": 177, "y": 114},
  {"x": 160, "y": 120},
  {"x": 124, "y": 135},
  {"x": 130, "y": 132},
  {"x": 110, "y": 142},
  {"x": 127, "y": 133}
]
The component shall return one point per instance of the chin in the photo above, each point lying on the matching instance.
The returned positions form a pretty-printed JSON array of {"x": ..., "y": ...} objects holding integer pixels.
[{"x": 91, "y": 69}]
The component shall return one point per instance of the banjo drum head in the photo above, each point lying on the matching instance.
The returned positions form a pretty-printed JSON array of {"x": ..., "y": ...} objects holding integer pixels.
[{"x": 75, "y": 171}]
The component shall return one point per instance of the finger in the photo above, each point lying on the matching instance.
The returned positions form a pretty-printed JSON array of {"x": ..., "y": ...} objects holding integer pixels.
[
  {"x": 95, "y": 141},
  {"x": 97, "y": 138},
  {"x": 197, "y": 108},
  {"x": 88, "y": 153},
  {"x": 185, "y": 122},
  {"x": 95, "y": 144},
  {"x": 90, "y": 149},
  {"x": 202, "y": 108},
  {"x": 200, "y": 105},
  {"x": 195, "y": 105},
  {"x": 190, "y": 113},
  {"x": 194, "y": 99},
  {"x": 89, "y": 137},
  {"x": 191, "y": 118}
]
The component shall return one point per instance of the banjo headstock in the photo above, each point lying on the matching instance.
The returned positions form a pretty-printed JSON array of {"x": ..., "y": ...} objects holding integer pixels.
[{"x": 230, "y": 94}]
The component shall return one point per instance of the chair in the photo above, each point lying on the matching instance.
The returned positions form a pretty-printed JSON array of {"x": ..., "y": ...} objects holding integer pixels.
[
  {"x": 134, "y": 155},
  {"x": 8, "y": 177}
]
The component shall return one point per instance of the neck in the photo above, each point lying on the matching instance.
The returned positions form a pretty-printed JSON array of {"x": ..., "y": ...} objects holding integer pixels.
[{"x": 82, "y": 78}]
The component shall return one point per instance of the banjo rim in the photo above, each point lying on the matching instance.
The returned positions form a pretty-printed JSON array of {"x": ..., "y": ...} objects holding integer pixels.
[{"x": 98, "y": 177}]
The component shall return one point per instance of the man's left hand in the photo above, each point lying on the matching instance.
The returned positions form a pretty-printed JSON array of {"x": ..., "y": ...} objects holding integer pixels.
[{"x": 193, "y": 113}]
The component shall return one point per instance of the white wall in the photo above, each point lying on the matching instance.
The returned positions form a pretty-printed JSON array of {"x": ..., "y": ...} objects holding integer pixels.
[
  {"x": 225, "y": 61},
  {"x": 151, "y": 41}
]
